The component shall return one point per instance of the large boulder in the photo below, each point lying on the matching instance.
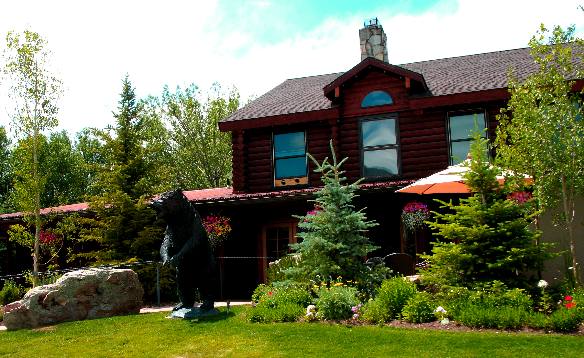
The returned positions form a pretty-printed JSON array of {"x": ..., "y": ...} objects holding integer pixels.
[{"x": 78, "y": 295}]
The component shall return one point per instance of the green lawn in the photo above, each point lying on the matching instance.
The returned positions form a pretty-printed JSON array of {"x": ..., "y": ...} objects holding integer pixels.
[{"x": 152, "y": 335}]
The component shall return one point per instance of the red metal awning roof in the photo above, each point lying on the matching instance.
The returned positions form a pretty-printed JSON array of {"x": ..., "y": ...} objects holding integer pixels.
[{"x": 222, "y": 195}]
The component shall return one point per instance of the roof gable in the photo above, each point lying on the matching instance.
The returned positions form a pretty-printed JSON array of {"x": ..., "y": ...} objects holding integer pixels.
[{"x": 330, "y": 90}]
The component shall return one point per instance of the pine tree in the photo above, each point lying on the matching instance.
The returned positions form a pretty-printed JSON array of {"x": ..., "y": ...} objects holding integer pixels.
[
  {"x": 486, "y": 236},
  {"x": 124, "y": 223},
  {"x": 333, "y": 235}
]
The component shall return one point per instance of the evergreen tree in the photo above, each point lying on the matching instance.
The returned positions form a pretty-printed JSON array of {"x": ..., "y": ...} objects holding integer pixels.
[
  {"x": 124, "y": 225},
  {"x": 333, "y": 235},
  {"x": 486, "y": 236}
]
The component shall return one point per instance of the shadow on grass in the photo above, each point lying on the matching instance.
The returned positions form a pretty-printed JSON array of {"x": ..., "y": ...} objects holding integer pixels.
[{"x": 221, "y": 316}]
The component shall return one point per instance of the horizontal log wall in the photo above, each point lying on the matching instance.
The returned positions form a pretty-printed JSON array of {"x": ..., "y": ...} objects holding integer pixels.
[{"x": 422, "y": 132}]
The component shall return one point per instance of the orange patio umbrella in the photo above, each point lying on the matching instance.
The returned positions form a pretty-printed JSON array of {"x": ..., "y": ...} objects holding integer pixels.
[{"x": 447, "y": 181}]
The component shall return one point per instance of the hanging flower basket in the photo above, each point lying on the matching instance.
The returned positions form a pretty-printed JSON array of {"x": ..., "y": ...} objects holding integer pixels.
[
  {"x": 414, "y": 214},
  {"x": 218, "y": 229}
]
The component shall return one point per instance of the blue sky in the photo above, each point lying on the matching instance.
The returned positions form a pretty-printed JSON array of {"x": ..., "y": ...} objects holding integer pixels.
[{"x": 253, "y": 45}]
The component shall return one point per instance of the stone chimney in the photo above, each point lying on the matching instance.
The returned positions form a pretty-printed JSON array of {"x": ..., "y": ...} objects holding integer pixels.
[{"x": 373, "y": 41}]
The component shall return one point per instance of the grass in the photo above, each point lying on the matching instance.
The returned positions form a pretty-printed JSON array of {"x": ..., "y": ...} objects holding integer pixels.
[{"x": 152, "y": 335}]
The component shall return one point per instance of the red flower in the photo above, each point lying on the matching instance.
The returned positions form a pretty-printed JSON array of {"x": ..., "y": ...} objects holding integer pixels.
[
  {"x": 570, "y": 305},
  {"x": 269, "y": 293},
  {"x": 47, "y": 238},
  {"x": 568, "y": 298}
]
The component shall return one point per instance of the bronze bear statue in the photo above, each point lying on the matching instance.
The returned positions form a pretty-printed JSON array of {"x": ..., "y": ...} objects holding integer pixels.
[{"x": 186, "y": 248}]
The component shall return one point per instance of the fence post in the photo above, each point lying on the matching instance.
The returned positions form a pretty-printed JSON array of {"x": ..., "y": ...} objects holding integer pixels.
[{"x": 158, "y": 284}]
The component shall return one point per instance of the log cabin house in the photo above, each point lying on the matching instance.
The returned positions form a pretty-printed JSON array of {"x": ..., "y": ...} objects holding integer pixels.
[{"x": 395, "y": 123}]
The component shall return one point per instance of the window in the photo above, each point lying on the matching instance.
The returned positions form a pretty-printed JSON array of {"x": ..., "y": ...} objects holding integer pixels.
[
  {"x": 380, "y": 147},
  {"x": 461, "y": 128},
  {"x": 289, "y": 155},
  {"x": 376, "y": 98}
]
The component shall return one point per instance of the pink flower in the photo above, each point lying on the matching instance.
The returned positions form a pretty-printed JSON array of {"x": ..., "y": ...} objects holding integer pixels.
[
  {"x": 520, "y": 197},
  {"x": 415, "y": 206}
]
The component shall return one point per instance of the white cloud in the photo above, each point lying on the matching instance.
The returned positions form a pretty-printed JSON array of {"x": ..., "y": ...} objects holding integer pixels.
[{"x": 176, "y": 43}]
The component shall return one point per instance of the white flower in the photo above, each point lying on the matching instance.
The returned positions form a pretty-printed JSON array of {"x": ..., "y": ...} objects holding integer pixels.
[
  {"x": 310, "y": 310},
  {"x": 440, "y": 309},
  {"x": 542, "y": 284}
]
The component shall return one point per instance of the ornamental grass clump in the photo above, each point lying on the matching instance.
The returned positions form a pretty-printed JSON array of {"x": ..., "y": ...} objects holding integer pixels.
[
  {"x": 389, "y": 301},
  {"x": 493, "y": 305}
]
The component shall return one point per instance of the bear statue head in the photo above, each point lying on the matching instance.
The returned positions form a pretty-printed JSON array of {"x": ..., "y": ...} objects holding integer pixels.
[{"x": 170, "y": 204}]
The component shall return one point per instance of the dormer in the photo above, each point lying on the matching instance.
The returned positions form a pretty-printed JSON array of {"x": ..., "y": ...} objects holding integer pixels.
[{"x": 412, "y": 83}]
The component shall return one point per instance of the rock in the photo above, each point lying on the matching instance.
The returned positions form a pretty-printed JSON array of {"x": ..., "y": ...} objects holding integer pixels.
[{"x": 78, "y": 295}]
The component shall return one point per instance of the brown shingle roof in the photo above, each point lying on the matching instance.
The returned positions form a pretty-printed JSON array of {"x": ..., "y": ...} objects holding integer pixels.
[
  {"x": 443, "y": 77},
  {"x": 474, "y": 72},
  {"x": 291, "y": 96}
]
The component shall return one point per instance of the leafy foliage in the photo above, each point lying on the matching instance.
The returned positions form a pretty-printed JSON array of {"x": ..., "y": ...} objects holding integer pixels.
[
  {"x": 200, "y": 153},
  {"x": 541, "y": 132},
  {"x": 279, "y": 304},
  {"x": 333, "y": 237},
  {"x": 10, "y": 292},
  {"x": 34, "y": 92},
  {"x": 419, "y": 308},
  {"x": 5, "y": 172},
  {"x": 335, "y": 302}
]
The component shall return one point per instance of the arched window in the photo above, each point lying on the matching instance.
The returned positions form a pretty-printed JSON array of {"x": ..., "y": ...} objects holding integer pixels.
[{"x": 376, "y": 98}]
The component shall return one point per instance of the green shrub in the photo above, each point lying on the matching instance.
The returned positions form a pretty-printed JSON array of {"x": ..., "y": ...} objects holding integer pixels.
[
  {"x": 10, "y": 292},
  {"x": 285, "y": 312},
  {"x": 279, "y": 304},
  {"x": 335, "y": 303},
  {"x": 538, "y": 320},
  {"x": 376, "y": 312},
  {"x": 392, "y": 296},
  {"x": 276, "y": 271},
  {"x": 453, "y": 299},
  {"x": 260, "y": 291},
  {"x": 565, "y": 320},
  {"x": 496, "y": 294},
  {"x": 504, "y": 317},
  {"x": 419, "y": 309}
]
